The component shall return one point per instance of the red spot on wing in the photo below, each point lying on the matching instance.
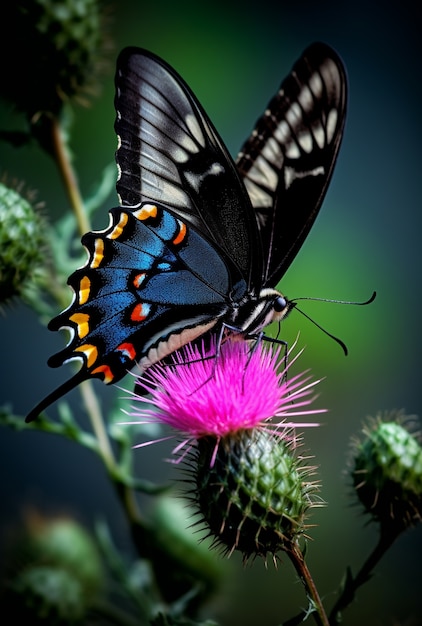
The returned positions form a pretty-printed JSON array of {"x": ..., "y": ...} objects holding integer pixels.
[
  {"x": 140, "y": 312},
  {"x": 138, "y": 280},
  {"x": 128, "y": 349}
]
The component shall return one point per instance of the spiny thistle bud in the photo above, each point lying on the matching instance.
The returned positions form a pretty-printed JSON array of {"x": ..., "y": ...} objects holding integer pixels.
[
  {"x": 387, "y": 472},
  {"x": 54, "y": 573},
  {"x": 53, "y": 55},
  {"x": 252, "y": 491},
  {"x": 229, "y": 406},
  {"x": 21, "y": 243},
  {"x": 41, "y": 594}
]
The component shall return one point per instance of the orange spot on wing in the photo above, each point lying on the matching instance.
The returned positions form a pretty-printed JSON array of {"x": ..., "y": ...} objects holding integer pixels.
[
  {"x": 182, "y": 233},
  {"x": 106, "y": 372},
  {"x": 138, "y": 280},
  {"x": 82, "y": 322}
]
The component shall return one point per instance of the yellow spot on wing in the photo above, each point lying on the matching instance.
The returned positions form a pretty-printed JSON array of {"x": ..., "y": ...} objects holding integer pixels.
[
  {"x": 82, "y": 322},
  {"x": 90, "y": 352},
  {"x": 84, "y": 290},
  {"x": 146, "y": 211},
  {"x": 98, "y": 253},
  {"x": 118, "y": 229}
]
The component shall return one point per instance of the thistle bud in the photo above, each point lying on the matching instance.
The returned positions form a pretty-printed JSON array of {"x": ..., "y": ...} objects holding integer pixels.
[
  {"x": 387, "y": 472},
  {"x": 53, "y": 55},
  {"x": 21, "y": 243},
  {"x": 54, "y": 573},
  {"x": 253, "y": 491}
]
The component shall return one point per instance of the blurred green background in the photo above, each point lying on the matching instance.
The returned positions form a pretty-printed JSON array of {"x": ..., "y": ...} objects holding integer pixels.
[{"x": 234, "y": 55}]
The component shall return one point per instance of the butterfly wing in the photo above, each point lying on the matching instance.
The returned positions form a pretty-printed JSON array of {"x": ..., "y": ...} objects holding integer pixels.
[
  {"x": 151, "y": 285},
  {"x": 170, "y": 153},
  {"x": 149, "y": 277},
  {"x": 188, "y": 241},
  {"x": 287, "y": 162},
  {"x": 126, "y": 311}
]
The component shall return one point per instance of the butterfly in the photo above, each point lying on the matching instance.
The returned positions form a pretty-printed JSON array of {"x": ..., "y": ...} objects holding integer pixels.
[{"x": 199, "y": 241}]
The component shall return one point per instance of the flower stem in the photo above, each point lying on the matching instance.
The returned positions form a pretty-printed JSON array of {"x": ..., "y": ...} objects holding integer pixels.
[
  {"x": 295, "y": 554},
  {"x": 94, "y": 411},
  {"x": 69, "y": 177},
  {"x": 387, "y": 537}
]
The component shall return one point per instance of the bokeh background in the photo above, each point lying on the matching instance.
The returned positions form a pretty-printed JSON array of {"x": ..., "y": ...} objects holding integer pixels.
[{"x": 234, "y": 55}]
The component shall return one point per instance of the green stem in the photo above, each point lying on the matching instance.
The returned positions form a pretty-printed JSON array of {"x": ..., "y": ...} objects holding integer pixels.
[
  {"x": 295, "y": 554},
  {"x": 69, "y": 177},
  {"x": 94, "y": 411},
  {"x": 387, "y": 537}
]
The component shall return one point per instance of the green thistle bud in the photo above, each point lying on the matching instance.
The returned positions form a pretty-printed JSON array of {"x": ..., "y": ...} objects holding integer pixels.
[
  {"x": 45, "y": 595},
  {"x": 387, "y": 472},
  {"x": 65, "y": 543},
  {"x": 253, "y": 496},
  {"x": 21, "y": 243},
  {"x": 53, "y": 55},
  {"x": 54, "y": 573}
]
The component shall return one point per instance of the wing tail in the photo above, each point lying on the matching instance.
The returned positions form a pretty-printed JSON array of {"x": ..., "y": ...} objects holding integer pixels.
[{"x": 60, "y": 391}]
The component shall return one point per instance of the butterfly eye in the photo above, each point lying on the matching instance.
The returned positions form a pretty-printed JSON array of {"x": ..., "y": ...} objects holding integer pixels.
[{"x": 280, "y": 303}]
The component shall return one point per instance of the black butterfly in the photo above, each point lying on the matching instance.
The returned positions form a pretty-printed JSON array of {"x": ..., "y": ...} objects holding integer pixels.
[{"x": 199, "y": 241}]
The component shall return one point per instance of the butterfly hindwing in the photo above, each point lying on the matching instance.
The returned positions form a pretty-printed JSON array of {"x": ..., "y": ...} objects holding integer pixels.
[
  {"x": 287, "y": 162},
  {"x": 149, "y": 278}
]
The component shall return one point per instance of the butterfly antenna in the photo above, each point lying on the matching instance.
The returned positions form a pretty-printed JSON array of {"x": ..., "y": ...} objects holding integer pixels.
[
  {"x": 371, "y": 299},
  {"x": 55, "y": 395},
  {"x": 336, "y": 339}
]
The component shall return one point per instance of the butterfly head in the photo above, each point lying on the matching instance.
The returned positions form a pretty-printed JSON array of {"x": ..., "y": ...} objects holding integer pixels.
[
  {"x": 276, "y": 306},
  {"x": 269, "y": 306}
]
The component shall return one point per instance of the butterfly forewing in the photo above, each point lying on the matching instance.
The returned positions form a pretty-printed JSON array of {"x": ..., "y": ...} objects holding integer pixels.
[
  {"x": 170, "y": 153},
  {"x": 287, "y": 162}
]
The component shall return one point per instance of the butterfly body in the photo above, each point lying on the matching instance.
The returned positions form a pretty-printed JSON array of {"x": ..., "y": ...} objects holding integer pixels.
[{"x": 199, "y": 242}]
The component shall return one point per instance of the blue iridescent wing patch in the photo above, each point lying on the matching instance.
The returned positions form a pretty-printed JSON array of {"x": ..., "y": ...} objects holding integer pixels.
[
  {"x": 149, "y": 277},
  {"x": 200, "y": 241}
]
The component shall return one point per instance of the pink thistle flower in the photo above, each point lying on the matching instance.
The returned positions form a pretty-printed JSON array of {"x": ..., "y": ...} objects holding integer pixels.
[
  {"x": 204, "y": 395},
  {"x": 250, "y": 487}
]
